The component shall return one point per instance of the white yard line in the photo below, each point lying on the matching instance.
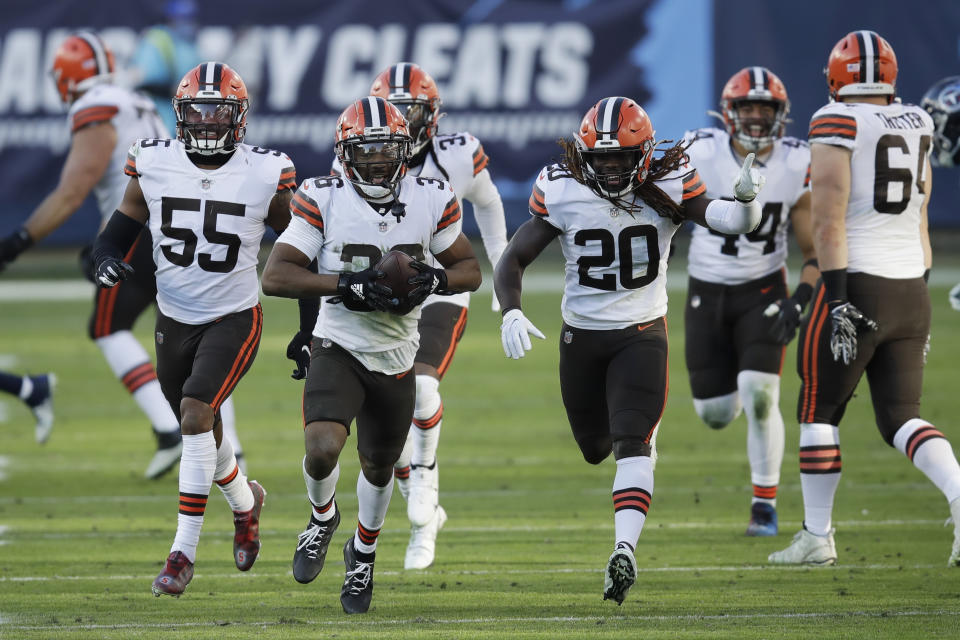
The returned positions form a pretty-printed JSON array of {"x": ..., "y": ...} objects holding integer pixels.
[
  {"x": 421, "y": 622},
  {"x": 491, "y": 572}
]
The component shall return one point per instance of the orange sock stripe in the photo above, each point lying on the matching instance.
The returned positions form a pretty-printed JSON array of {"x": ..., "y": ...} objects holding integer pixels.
[
  {"x": 367, "y": 536},
  {"x": 324, "y": 508},
  {"x": 432, "y": 421},
  {"x": 767, "y": 493},
  {"x": 920, "y": 436},
  {"x": 401, "y": 473},
  {"x": 634, "y": 498},
  {"x": 230, "y": 476},
  {"x": 192, "y": 504},
  {"x": 147, "y": 376},
  {"x": 820, "y": 459}
]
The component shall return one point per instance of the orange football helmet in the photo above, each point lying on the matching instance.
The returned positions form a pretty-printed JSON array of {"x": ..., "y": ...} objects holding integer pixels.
[
  {"x": 373, "y": 146},
  {"x": 82, "y": 61},
  {"x": 615, "y": 146},
  {"x": 211, "y": 107},
  {"x": 862, "y": 63},
  {"x": 411, "y": 89},
  {"x": 754, "y": 84}
]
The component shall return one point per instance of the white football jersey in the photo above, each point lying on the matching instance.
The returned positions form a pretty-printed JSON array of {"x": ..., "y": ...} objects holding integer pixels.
[
  {"x": 616, "y": 262},
  {"x": 207, "y": 224},
  {"x": 134, "y": 116},
  {"x": 456, "y": 158},
  {"x": 890, "y": 145},
  {"x": 735, "y": 259},
  {"x": 334, "y": 223}
]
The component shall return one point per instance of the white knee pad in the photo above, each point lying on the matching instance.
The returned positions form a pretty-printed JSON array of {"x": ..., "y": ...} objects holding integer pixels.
[
  {"x": 428, "y": 397},
  {"x": 719, "y": 411},
  {"x": 759, "y": 393}
]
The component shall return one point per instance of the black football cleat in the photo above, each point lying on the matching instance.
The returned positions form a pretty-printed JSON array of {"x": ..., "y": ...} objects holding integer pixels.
[
  {"x": 357, "y": 589},
  {"x": 312, "y": 548},
  {"x": 176, "y": 575},
  {"x": 246, "y": 525}
]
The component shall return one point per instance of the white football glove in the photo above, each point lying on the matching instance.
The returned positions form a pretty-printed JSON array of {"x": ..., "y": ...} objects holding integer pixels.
[
  {"x": 955, "y": 297},
  {"x": 515, "y": 334},
  {"x": 749, "y": 182}
]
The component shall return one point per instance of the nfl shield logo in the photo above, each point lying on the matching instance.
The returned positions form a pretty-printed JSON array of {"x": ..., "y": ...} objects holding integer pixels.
[
  {"x": 205, "y": 183},
  {"x": 383, "y": 226},
  {"x": 567, "y": 337},
  {"x": 614, "y": 212},
  {"x": 159, "y": 338}
]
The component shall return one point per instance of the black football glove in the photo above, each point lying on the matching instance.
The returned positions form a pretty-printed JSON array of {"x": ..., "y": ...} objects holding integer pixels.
[
  {"x": 847, "y": 321},
  {"x": 299, "y": 351},
  {"x": 13, "y": 245},
  {"x": 429, "y": 280},
  {"x": 110, "y": 271},
  {"x": 786, "y": 318},
  {"x": 360, "y": 291}
]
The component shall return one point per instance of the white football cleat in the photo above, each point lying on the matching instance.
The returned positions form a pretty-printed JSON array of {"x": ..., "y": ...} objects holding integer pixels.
[
  {"x": 163, "y": 461},
  {"x": 620, "y": 574},
  {"x": 423, "y": 542},
  {"x": 43, "y": 412},
  {"x": 424, "y": 494},
  {"x": 807, "y": 548},
  {"x": 955, "y": 552}
]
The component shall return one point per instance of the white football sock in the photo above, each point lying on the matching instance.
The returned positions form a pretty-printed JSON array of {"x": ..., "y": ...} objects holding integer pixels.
[
  {"x": 930, "y": 452},
  {"x": 372, "y": 503},
  {"x": 427, "y": 418},
  {"x": 719, "y": 411},
  {"x": 198, "y": 462},
  {"x": 231, "y": 480},
  {"x": 819, "y": 474},
  {"x": 131, "y": 365},
  {"x": 760, "y": 397},
  {"x": 228, "y": 418},
  {"x": 632, "y": 492},
  {"x": 321, "y": 493}
]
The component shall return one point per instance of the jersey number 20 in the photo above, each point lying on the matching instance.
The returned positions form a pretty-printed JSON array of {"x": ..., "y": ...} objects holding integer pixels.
[{"x": 609, "y": 247}]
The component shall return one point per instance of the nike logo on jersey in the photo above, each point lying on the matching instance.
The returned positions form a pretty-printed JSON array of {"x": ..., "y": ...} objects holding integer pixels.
[
  {"x": 641, "y": 327},
  {"x": 765, "y": 290}
]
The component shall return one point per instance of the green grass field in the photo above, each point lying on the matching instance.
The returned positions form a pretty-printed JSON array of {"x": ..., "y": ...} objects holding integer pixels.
[{"x": 82, "y": 534}]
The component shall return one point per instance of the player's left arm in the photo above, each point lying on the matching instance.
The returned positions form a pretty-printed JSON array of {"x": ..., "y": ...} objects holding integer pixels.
[
  {"x": 800, "y": 220},
  {"x": 278, "y": 213},
  {"x": 830, "y": 192},
  {"x": 924, "y": 223},
  {"x": 488, "y": 210},
  {"x": 87, "y": 161},
  {"x": 460, "y": 265},
  {"x": 116, "y": 239}
]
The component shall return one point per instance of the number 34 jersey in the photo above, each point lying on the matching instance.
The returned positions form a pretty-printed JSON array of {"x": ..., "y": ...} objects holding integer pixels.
[
  {"x": 616, "y": 262},
  {"x": 334, "y": 223},
  {"x": 890, "y": 148},
  {"x": 207, "y": 224},
  {"x": 735, "y": 259}
]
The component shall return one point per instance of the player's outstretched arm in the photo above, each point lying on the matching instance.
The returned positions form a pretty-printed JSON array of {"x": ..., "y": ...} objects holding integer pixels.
[
  {"x": 742, "y": 215},
  {"x": 117, "y": 238},
  {"x": 86, "y": 164}
]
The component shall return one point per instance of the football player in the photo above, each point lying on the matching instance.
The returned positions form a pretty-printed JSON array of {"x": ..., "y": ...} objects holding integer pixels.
[
  {"x": 363, "y": 348},
  {"x": 738, "y": 315},
  {"x": 37, "y": 393},
  {"x": 615, "y": 209},
  {"x": 206, "y": 199},
  {"x": 459, "y": 160},
  {"x": 942, "y": 102},
  {"x": 105, "y": 120},
  {"x": 870, "y": 180}
]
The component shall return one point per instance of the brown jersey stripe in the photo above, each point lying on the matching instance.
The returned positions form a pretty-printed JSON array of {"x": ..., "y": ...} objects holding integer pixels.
[
  {"x": 920, "y": 436},
  {"x": 831, "y": 133},
  {"x": 91, "y": 115},
  {"x": 300, "y": 206},
  {"x": 694, "y": 191},
  {"x": 538, "y": 202},
  {"x": 450, "y": 215},
  {"x": 849, "y": 121}
]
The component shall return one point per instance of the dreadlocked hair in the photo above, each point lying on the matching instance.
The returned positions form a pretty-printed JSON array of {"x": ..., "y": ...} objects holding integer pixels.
[{"x": 671, "y": 160}]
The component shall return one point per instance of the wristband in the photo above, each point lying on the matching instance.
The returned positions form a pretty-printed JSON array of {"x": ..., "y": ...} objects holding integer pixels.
[{"x": 835, "y": 282}]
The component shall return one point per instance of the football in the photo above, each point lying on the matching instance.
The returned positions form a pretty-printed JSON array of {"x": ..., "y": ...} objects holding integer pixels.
[{"x": 396, "y": 266}]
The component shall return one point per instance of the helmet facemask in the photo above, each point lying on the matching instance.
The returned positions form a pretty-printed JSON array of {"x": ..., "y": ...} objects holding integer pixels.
[
  {"x": 374, "y": 164},
  {"x": 613, "y": 172},
  {"x": 755, "y": 124},
  {"x": 421, "y": 121},
  {"x": 210, "y": 126}
]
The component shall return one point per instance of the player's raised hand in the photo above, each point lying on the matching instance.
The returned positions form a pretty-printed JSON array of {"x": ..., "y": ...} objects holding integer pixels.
[
  {"x": 749, "y": 181},
  {"x": 515, "y": 334}
]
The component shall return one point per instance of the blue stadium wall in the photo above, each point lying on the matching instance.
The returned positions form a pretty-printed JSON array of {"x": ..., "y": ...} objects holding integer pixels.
[{"x": 517, "y": 74}]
